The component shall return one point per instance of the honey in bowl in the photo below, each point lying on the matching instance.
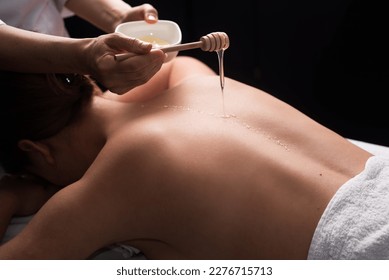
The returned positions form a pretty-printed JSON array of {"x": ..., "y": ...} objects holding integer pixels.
[{"x": 157, "y": 42}]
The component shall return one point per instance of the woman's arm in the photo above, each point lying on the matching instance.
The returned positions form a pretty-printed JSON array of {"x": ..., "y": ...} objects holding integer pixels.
[
  {"x": 107, "y": 14},
  {"x": 21, "y": 196},
  {"x": 26, "y": 51},
  {"x": 52, "y": 233},
  {"x": 76, "y": 222},
  {"x": 7, "y": 210}
]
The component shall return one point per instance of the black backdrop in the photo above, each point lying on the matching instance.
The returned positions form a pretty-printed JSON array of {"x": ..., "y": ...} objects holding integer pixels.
[{"x": 328, "y": 58}]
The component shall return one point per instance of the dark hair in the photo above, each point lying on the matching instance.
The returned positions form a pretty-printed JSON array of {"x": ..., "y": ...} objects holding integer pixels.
[{"x": 36, "y": 107}]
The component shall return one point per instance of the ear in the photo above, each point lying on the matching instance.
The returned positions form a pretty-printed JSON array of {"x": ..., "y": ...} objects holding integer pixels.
[{"x": 37, "y": 148}]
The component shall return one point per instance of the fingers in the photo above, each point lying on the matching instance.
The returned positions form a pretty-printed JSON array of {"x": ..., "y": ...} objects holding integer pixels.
[
  {"x": 151, "y": 17},
  {"x": 137, "y": 46},
  {"x": 143, "y": 12},
  {"x": 121, "y": 43},
  {"x": 150, "y": 13}
]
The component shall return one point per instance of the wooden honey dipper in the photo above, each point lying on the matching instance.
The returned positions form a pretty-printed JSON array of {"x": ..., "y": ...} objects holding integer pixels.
[{"x": 214, "y": 41}]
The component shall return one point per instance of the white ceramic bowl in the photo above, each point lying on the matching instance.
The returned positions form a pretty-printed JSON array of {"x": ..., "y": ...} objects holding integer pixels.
[{"x": 161, "y": 33}]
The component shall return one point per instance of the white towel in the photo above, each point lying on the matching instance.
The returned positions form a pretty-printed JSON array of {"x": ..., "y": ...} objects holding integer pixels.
[{"x": 355, "y": 224}]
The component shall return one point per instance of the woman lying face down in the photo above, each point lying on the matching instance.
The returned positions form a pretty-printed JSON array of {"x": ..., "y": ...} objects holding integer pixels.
[{"x": 179, "y": 175}]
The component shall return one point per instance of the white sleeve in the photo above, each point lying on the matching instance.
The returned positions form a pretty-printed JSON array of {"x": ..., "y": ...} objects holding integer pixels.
[
  {"x": 1, "y": 22},
  {"x": 65, "y": 12}
]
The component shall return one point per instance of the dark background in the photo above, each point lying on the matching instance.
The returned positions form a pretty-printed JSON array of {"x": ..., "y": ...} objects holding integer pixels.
[{"x": 327, "y": 58}]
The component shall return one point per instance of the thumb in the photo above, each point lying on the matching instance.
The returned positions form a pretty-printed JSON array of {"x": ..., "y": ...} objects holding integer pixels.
[{"x": 130, "y": 44}]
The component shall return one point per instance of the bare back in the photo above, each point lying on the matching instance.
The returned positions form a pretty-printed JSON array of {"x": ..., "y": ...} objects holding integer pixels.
[{"x": 249, "y": 179}]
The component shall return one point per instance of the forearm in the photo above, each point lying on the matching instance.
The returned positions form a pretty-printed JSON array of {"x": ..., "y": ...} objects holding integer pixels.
[
  {"x": 25, "y": 51},
  {"x": 64, "y": 228},
  {"x": 105, "y": 14},
  {"x": 7, "y": 209}
]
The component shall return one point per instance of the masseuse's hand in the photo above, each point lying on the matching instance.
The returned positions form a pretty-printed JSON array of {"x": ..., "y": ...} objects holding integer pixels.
[
  {"x": 122, "y": 76},
  {"x": 27, "y": 193}
]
